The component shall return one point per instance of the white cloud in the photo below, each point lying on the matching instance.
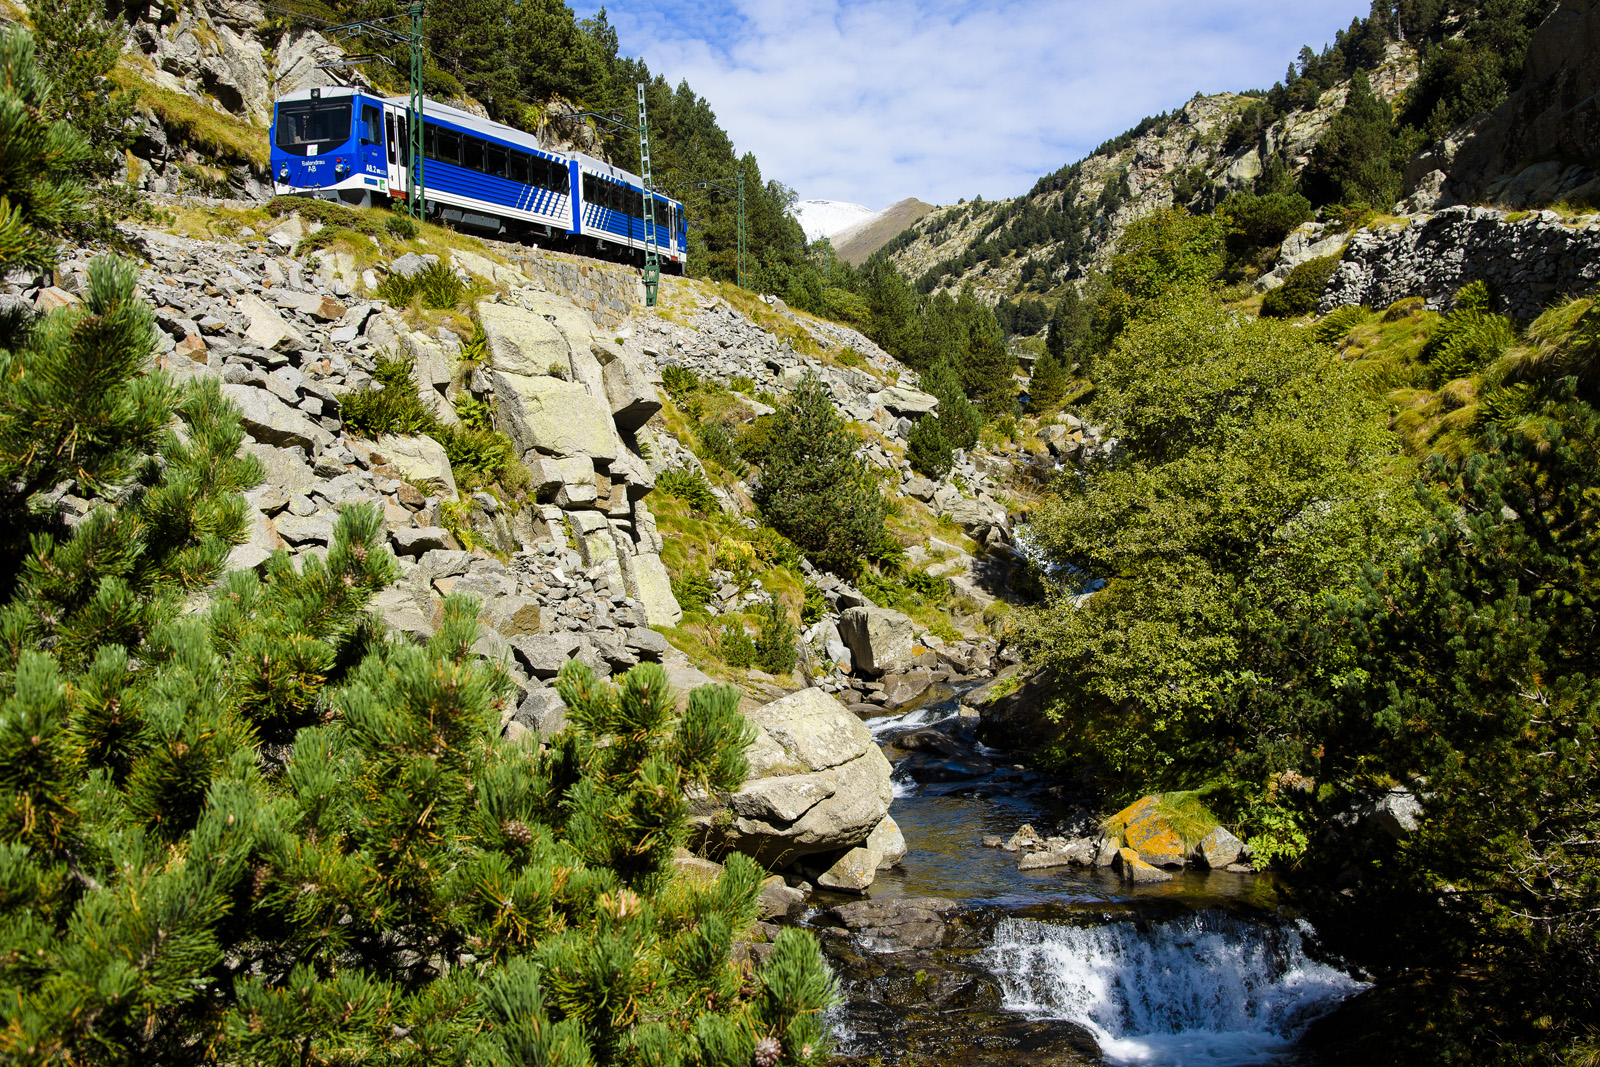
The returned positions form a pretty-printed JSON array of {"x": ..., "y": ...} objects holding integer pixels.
[{"x": 882, "y": 99}]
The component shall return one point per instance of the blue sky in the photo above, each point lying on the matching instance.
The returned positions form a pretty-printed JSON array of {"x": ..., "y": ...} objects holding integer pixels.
[{"x": 877, "y": 100}]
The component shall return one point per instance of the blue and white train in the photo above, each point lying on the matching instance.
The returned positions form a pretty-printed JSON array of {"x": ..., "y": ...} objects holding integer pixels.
[{"x": 342, "y": 144}]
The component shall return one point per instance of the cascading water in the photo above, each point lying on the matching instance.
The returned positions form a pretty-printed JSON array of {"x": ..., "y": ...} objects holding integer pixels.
[{"x": 1208, "y": 989}]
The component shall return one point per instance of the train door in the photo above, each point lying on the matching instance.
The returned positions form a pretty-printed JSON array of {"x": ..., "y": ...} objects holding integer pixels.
[{"x": 396, "y": 147}]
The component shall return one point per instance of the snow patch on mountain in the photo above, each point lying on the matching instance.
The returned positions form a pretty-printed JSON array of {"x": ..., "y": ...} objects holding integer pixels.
[{"x": 823, "y": 218}]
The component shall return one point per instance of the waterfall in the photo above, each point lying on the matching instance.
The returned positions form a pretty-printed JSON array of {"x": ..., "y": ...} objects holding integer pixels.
[{"x": 1208, "y": 989}]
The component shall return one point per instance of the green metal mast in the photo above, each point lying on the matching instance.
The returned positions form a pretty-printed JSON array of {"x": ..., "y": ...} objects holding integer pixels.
[
  {"x": 416, "y": 185},
  {"x": 652, "y": 260}
]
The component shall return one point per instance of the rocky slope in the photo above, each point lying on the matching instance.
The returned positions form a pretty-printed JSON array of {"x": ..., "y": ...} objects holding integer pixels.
[
  {"x": 859, "y": 240},
  {"x": 1115, "y": 187},
  {"x": 571, "y": 361}
]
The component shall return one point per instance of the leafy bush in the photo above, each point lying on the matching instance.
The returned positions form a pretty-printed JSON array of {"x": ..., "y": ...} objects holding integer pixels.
[
  {"x": 435, "y": 286},
  {"x": 774, "y": 549},
  {"x": 1467, "y": 341},
  {"x": 1302, "y": 290},
  {"x": 474, "y": 414},
  {"x": 1337, "y": 324},
  {"x": 690, "y": 488},
  {"x": 775, "y": 648},
  {"x": 815, "y": 607},
  {"x": 679, "y": 382},
  {"x": 740, "y": 383}
]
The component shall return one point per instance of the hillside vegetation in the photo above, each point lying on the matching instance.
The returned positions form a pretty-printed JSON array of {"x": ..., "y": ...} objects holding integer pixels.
[{"x": 1339, "y": 130}]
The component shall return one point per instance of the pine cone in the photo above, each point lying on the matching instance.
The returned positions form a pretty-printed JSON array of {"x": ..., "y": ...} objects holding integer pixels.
[
  {"x": 767, "y": 1052},
  {"x": 518, "y": 832}
]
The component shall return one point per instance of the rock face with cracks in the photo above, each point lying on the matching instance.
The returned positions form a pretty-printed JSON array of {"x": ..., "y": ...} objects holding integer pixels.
[{"x": 818, "y": 784}]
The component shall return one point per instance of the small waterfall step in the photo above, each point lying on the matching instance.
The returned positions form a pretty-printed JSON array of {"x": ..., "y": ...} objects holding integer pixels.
[{"x": 1206, "y": 989}]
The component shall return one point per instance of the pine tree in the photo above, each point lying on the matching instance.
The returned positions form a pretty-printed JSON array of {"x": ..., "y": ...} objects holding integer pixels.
[
  {"x": 987, "y": 365},
  {"x": 1048, "y": 385},
  {"x": 814, "y": 489},
  {"x": 39, "y": 193},
  {"x": 959, "y": 421},
  {"x": 77, "y": 48},
  {"x": 927, "y": 448}
]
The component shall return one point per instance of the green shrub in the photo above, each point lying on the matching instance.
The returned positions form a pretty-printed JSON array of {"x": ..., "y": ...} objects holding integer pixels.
[
  {"x": 474, "y": 414},
  {"x": 679, "y": 382},
  {"x": 775, "y": 650},
  {"x": 734, "y": 645},
  {"x": 401, "y": 227},
  {"x": 718, "y": 445},
  {"x": 1302, "y": 290},
  {"x": 739, "y": 383},
  {"x": 928, "y": 450},
  {"x": 753, "y": 440},
  {"x": 690, "y": 488},
  {"x": 774, "y": 549},
  {"x": 1337, "y": 324},
  {"x": 815, "y": 607}
]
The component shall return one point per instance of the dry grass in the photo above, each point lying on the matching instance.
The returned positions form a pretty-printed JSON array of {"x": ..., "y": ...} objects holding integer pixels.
[{"x": 205, "y": 129}]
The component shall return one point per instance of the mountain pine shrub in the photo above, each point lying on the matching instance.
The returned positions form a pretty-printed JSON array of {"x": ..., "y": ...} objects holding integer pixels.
[
  {"x": 927, "y": 448},
  {"x": 814, "y": 489},
  {"x": 39, "y": 190}
]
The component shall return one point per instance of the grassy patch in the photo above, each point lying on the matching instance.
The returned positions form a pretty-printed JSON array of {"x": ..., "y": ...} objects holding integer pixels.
[
  {"x": 1185, "y": 812},
  {"x": 205, "y": 129}
]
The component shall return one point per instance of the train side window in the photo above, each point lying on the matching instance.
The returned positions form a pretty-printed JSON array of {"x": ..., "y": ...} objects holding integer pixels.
[
  {"x": 444, "y": 145},
  {"x": 563, "y": 178},
  {"x": 518, "y": 167},
  {"x": 472, "y": 153},
  {"x": 494, "y": 160},
  {"x": 589, "y": 189},
  {"x": 388, "y": 129},
  {"x": 403, "y": 131},
  {"x": 370, "y": 125}
]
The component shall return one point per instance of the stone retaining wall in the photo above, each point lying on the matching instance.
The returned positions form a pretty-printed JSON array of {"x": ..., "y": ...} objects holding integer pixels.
[
  {"x": 1528, "y": 263},
  {"x": 607, "y": 291}
]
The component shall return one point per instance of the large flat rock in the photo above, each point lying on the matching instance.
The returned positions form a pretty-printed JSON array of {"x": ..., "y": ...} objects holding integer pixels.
[{"x": 553, "y": 417}]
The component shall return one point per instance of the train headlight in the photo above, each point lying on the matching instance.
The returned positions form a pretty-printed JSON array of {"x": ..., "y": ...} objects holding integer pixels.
[
  {"x": 283, "y": 173},
  {"x": 340, "y": 169}
]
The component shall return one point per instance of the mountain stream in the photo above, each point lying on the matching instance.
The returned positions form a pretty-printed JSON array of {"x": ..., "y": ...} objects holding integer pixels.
[{"x": 1201, "y": 971}]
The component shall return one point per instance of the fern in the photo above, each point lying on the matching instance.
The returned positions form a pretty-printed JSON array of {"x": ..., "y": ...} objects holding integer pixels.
[
  {"x": 1467, "y": 342},
  {"x": 1508, "y": 403},
  {"x": 1337, "y": 324}
]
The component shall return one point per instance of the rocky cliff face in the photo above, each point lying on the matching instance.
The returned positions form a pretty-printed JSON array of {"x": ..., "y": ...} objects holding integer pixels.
[
  {"x": 1188, "y": 147},
  {"x": 1543, "y": 144}
]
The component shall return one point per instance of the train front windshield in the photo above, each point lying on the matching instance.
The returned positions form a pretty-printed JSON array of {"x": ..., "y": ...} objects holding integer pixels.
[{"x": 311, "y": 127}]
